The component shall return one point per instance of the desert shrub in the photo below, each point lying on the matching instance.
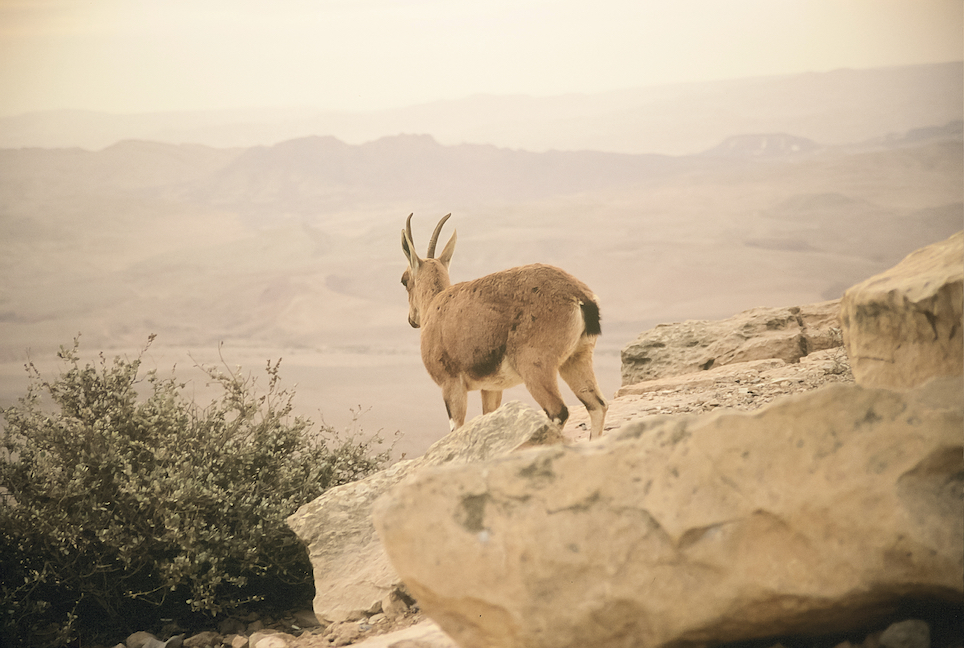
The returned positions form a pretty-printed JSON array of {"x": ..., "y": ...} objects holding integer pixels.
[{"x": 122, "y": 508}]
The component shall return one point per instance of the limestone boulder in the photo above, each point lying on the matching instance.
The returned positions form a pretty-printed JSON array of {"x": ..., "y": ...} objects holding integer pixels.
[
  {"x": 903, "y": 326},
  {"x": 786, "y": 334},
  {"x": 351, "y": 571},
  {"x": 817, "y": 513}
]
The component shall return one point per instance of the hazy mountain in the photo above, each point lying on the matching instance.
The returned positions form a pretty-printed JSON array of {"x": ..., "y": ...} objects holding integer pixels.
[
  {"x": 131, "y": 235},
  {"x": 831, "y": 108}
]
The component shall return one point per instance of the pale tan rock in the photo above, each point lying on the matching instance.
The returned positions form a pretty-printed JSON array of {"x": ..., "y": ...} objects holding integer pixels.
[
  {"x": 903, "y": 326},
  {"x": 306, "y": 619},
  {"x": 344, "y": 633},
  {"x": 351, "y": 570},
  {"x": 140, "y": 640},
  {"x": 270, "y": 639},
  {"x": 742, "y": 386},
  {"x": 426, "y": 634},
  {"x": 810, "y": 515},
  {"x": 786, "y": 334},
  {"x": 394, "y": 604},
  {"x": 206, "y": 639}
]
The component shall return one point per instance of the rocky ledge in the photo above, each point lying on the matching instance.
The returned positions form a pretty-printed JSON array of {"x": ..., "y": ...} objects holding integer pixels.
[{"x": 748, "y": 492}]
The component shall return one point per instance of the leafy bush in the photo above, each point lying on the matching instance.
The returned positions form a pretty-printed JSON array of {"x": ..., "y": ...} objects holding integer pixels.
[{"x": 120, "y": 509}]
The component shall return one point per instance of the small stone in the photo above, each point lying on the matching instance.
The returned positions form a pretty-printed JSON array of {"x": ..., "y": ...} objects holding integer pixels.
[
  {"x": 394, "y": 604},
  {"x": 207, "y": 639},
  {"x": 270, "y": 639},
  {"x": 343, "y": 634},
  {"x": 235, "y": 641},
  {"x": 355, "y": 615},
  {"x": 912, "y": 633},
  {"x": 139, "y": 639}
]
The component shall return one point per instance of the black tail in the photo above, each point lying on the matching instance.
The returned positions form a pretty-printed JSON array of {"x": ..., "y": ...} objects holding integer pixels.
[{"x": 590, "y": 315}]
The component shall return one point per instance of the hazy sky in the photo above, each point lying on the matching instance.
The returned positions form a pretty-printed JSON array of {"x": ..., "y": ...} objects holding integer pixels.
[{"x": 157, "y": 55}]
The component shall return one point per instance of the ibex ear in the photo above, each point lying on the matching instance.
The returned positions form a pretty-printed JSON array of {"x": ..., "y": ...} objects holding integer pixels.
[
  {"x": 446, "y": 256},
  {"x": 409, "y": 249}
]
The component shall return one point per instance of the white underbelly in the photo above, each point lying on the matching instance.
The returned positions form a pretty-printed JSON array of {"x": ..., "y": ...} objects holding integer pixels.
[{"x": 503, "y": 378}]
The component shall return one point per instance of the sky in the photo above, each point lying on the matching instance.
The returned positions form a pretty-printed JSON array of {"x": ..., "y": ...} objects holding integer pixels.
[{"x": 134, "y": 56}]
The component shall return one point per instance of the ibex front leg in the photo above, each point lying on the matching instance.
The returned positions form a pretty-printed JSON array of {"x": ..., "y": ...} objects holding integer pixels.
[{"x": 456, "y": 400}]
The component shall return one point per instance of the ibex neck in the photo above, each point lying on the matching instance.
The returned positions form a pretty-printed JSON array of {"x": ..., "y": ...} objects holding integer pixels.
[{"x": 433, "y": 278}]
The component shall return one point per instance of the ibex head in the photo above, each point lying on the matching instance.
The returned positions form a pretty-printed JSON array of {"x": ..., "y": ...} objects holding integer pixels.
[{"x": 425, "y": 278}]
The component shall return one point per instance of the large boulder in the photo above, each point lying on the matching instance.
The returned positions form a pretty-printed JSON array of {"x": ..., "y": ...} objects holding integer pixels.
[
  {"x": 903, "y": 326},
  {"x": 352, "y": 573},
  {"x": 786, "y": 334},
  {"x": 817, "y": 513}
]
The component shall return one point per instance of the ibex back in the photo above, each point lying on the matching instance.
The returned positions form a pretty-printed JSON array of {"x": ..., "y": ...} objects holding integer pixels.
[{"x": 523, "y": 325}]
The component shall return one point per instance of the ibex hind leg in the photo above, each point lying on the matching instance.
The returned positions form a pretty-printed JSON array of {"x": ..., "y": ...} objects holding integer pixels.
[
  {"x": 491, "y": 399},
  {"x": 578, "y": 373},
  {"x": 544, "y": 387}
]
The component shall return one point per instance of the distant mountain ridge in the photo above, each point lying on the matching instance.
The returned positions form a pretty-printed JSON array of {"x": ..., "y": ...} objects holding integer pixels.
[
  {"x": 314, "y": 171},
  {"x": 318, "y": 174},
  {"x": 771, "y": 145},
  {"x": 833, "y": 108}
]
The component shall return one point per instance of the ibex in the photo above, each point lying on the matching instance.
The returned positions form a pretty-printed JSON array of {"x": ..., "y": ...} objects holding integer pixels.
[{"x": 522, "y": 325}]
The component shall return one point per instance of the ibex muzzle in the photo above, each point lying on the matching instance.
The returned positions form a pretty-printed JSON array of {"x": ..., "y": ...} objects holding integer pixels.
[{"x": 523, "y": 325}]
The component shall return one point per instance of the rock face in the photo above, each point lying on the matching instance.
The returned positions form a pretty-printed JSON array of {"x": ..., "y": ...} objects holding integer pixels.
[
  {"x": 787, "y": 334},
  {"x": 903, "y": 326},
  {"x": 352, "y": 573},
  {"x": 814, "y": 514}
]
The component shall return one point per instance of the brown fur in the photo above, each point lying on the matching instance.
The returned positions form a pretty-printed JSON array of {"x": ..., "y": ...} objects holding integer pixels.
[{"x": 523, "y": 325}]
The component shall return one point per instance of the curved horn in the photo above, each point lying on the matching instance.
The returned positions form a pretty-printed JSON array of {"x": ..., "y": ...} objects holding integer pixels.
[
  {"x": 434, "y": 239},
  {"x": 408, "y": 227}
]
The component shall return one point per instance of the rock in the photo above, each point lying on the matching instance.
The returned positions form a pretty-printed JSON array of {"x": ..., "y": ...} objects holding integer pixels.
[
  {"x": 743, "y": 386},
  {"x": 812, "y": 515},
  {"x": 139, "y": 639},
  {"x": 207, "y": 639},
  {"x": 270, "y": 639},
  {"x": 147, "y": 640},
  {"x": 351, "y": 570},
  {"x": 306, "y": 619},
  {"x": 236, "y": 641},
  {"x": 395, "y": 603},
  {"x": 907, "y": 634},
  {"x": 426, "y": 634},
  {"x": 787, "y": 334},
  {"x": 344, "y": 633},
  {"x": 903, "y": 326}
]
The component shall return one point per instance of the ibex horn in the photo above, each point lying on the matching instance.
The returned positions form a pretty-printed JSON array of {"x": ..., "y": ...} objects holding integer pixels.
[
  {"x": 408, "y": 228},
  {"x": 434, "y": 240}
]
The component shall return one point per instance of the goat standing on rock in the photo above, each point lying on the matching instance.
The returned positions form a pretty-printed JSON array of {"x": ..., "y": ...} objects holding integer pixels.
[{"x": 522, "y": 325}]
